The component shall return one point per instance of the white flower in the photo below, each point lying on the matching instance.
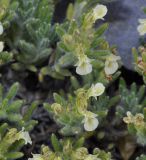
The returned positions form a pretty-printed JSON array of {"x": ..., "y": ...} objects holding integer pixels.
[
  {"x": 99, "y": 11},
  {"x": 1, "y": 29},
  {"x": 24, "y": 135},
  {"x": 96, "y": 90},
  {"x": 111, "y": 64},
  {"x": 36, "y": 157},
  {"x": 84, "y": 66},
  {"x": 90, "y": 121},
  {"x": 1, "y": 46},
  {"x": 142, "y": 27},
  {"x": 92, "y": 157}
]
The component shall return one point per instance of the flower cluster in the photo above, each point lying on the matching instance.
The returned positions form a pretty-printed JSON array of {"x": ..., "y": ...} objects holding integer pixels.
[
  {"x": 140, "y": 61},
  {"x": 69, "y": 150},
  {"x": 137, "y": 120},
  {"x": 84, "y": 64},
  {"x": 136, "y": 126},
  {"x": 75, "y": 112},
  {"x": 81, "y": 43}
]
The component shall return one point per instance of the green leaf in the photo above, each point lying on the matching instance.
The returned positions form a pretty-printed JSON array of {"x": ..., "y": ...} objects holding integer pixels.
[{"x": 56, "y": 144}]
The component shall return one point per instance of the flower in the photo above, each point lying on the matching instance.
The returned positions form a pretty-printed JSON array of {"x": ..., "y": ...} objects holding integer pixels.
[
  {"x": 92, "y": 157},
  {"x": 111, "y": 64},
  {"x": 83, "y": 66},
  {"x": 57, "y": 108},
  {"x": 81, "y": 153},
  {"x": 139, "y": 119},
  {"x": 99, "y": 11},
  {"x": 96, "y": 90},
  {"x": 129, "y": 118},
  {"x": 142, "y": 27},
  {"x": 1, "y": 46},
  {"x": 24, "y": 135},
  {"x": 90, "y": 121},
  {"x": 1, "y": 29},
  {"x": 36, "y": 157}
]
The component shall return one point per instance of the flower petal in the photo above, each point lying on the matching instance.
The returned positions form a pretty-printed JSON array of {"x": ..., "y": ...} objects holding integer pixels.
[
  {"x": 1, "y": 46},
  {"x": 84, "y": 68},
  {"x": 99, "y": 11},
  {"x": 91, "y": 124},
  {"x": 1, "y": 29},
  {"x": 110, "y": 67},
  {"x": 99, "y": 89},
  {"x": 142, "y": 29}
]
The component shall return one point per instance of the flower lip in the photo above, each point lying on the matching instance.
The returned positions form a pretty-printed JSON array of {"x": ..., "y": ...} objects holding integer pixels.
[
  {"x": 24, "y": 135},
  {"x": 84, "y": 66},
  {"x": 36, "y": 157},
  {"x": 90, "y": 121},
  {"x": 96, "y": 90},
  {"x": 1, "y": 46},
  {"x": 1, "y": 29},
  {"x": 111, "y": 64},
  {"x": 99, "y": 11}
]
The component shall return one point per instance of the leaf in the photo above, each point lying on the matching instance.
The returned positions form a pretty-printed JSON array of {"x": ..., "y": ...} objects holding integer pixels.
[
  {"x": 12, "y": 91},
  {"x": 70, "y": 12},
  {"x": 56, "y": 144}
]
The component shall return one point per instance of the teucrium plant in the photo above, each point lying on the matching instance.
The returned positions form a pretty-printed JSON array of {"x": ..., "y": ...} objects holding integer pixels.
[
  {"x": 14, "y": 126},
  {"x": 11, "y": 141},
  {"x": 73, "y": 113},
  {"x": 81, "y": 110},
  {"x": 69, "y": 149},
  {"x": 82, "y": 43},
  {"x": 32, "y": 41},
  {"x": 10, "y": 109}
]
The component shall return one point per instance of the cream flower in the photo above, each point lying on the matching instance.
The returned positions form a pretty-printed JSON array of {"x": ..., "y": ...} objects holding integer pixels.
[
  {"x": 142, "y": 27},
  {"x": 96, "y": 90},
  {"x": 36, "y": 157},
  {"x": 129, "y": 118},
  {"x": 1, "y": 46},
  {"x": 1, "y": 29},
  {"x": 92, "y": 157},
  {"x": 90, "y": 121},
  {"x": 57, "y": 108},
  {"x": 84, "y": 65},
  {"x": 24, "y": 135},
  {"x": 99, "y": 11},
  {"x": 111, "y": 64}
]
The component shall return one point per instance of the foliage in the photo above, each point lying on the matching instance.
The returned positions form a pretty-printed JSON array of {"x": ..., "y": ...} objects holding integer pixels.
[
  {"x": 9, "y": 144},
  {"x": 77, "y": 52},
  {"x": 142, "y": 157},
  {"x": 7, "y": 11},
  {"x": 34, "y": 45},
  {"x": 32, "y": 41},
  {"x": 132, "y": 99},
  {"x": 10, "y": 109}
]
